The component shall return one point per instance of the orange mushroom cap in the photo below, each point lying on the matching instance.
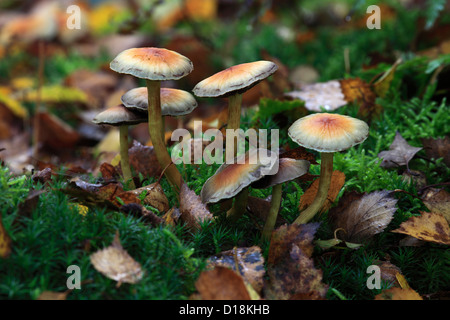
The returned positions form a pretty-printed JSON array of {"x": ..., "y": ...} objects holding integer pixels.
[
  {"x": 152, "y": 64},
  {"x": 174, "y": 102},
  {"x": 325, "y": 132},
  {"x": 238, "y": 78},
  {"x": 230, "y": 179}
]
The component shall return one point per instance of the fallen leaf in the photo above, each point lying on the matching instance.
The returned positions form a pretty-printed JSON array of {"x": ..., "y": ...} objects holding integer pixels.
[
  {"x": 415, "y": 177},
  {"x": 43, "y": 176},
  {"x": 248, "y": 262},
  {"x": 26, "y": 208},
  {"x": 51, "y": 295},
  {"x": 57, "y": 94},
  {"x": 295, "y": 277},
  {"x": 337, "y": 182},
  {"x": 396, "y": 293},
  {"x": 390, "y": 273},
  {"x": 172, "y": 216},
  {"x": 382, "y": 85},
  {"x": 362, "y": 216},
  {"x": 221, "y": 283},
  {"x": 193, "y": 210},
  {"x": 154, "y": 196},
  {"x": 260, "y": 209},
  {"x": 437, "y": 201},
  {"x": 143, "y": 160},
  {"x": 327, "y": 95},
  {"x": 55, "y": 133},
  {"x": 428, "y": 226},
  {"x": 142, "y": 212},
  {"x": 5, "y": 241},
  {"x": 109, "y": 172},
  {"x": 437, "y": 148},
  {"x": 399, "y": 154},
  {"x": 360, "y": 92},
  {"x": 115, "y": 263}
]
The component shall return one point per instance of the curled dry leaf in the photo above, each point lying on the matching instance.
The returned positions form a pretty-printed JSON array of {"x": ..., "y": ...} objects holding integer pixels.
[
  {"x": 399, "y": 153},
  {"x": 249, "y": 261},
  {"x": 115, "y": 263},
  {"x": 221, "y": 283},
  {"x": 337, "y": 182},
  {"x": 290, "y": 268},
  {"x": 363, "y": 215},
  {"x": 428, "y": 226},
  {"x": 172, "y": 216},
  {"x": 193, "y": 210},
  {"x": 396, "y": 293}
]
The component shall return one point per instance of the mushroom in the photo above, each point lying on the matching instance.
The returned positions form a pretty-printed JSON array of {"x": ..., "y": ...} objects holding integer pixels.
[
  {"x": 232, "y": 179},
  {"x": 326, "y": 133},
  {"x": 174, "y": 102},
  {"x": 121, "y": 117},
  {"x": 289, "y": 169},
  {"x": 155, "y": 65},
  {"x": 232, "y": 83}
]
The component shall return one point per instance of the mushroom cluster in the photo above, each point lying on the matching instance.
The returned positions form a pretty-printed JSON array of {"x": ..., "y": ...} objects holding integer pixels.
[
  {"x": 153, "y": 102},
  {"x": 233, "y": 82}
]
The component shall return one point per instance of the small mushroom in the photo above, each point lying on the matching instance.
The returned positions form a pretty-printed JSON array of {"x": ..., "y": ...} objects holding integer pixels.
[
  {"x": 155, "y": 65},
  {"x": 326, "y": 133},
  {"x": 174, "y": 102},
  {"x": 232, "y": 179},
  {"x": 232, "y": 83},
  {"x": 121, "y": 117},
  {"x": 289, "y": 169}
]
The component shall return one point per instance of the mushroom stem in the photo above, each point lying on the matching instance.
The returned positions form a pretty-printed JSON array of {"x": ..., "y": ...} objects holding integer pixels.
[
  {"x": 273, "y": 212},
  {"x": 326, "y": 170},
  {"x": 239, "y": 206},
  {"x": 124, "y": 160},
  {"x": 234, "y": 117},
  {"x": 155, "y": 130},
  {"x": 234, "y": 123}
]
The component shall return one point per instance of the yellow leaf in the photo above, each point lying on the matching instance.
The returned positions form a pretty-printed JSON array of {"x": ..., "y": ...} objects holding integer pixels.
[
  {"x": 428, "y": 227},
  {"x": 13, "y": 105},
  {"x": 398, "y": 294},
  {"x": 57, "y": 94}
]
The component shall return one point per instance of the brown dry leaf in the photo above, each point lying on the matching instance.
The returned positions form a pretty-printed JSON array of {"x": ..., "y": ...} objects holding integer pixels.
[
  {"x": 113, "y": 191},
  {"x": 295, "y": 277},
  {"x": 437, "y": 201},
  {"x": 428, "y": 227},
  {"x": 143, "y": 160},
  {"x": 399, "y": 154},
  {"x": 415, "y": 177},
  {"x": 51, "y": 295},
  {"x": 108, "y": 172},
  {"x": 43, "y": 176},
  {"x": 358, "y": 91},
  {"x": 154, "y": 196},
  {"x": 26, "y": 208},
  {"x": 55, "y": 133},
  {"x": 249, "y": 261},
  {"x": 193, "y": 210},
  {"x": 389, "y": 273},
  {"x": 290, "y": 268},
  {"x": 437, "y": 148},
  {"x": 337, "y": 182},
  {"x": 362, "y": 216},
  {"x": 115, "y": 263},
  {"x": 398, "y": 294},
  {"x": 260, "y": 208},
  {"x": 221, "y": 283},
  {"x": 5, "y": 241},
  {"x": 140, "y": 211}
]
